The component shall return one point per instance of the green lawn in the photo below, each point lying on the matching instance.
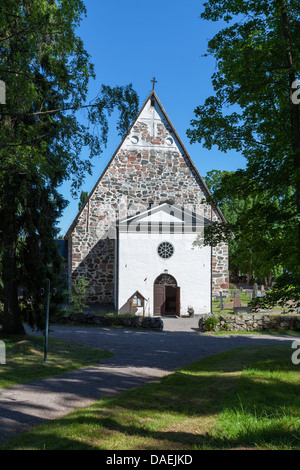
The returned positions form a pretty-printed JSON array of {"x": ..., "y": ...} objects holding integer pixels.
[
  {"x": 247, "y": 398},
  {"x": 25, "y": 356},
  {"x": 261, "y": 332}
]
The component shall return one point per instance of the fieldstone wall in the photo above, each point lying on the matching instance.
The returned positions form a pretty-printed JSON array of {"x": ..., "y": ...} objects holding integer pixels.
[
  {"x": 220, "y": 276},
  {"x": 255, "y": 322},
  {"x": 148, "y": 168},
  {"x": 103, "y": 320}
]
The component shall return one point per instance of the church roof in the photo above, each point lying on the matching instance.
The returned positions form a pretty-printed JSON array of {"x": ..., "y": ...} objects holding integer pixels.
[{"x": 151, "y": 96}]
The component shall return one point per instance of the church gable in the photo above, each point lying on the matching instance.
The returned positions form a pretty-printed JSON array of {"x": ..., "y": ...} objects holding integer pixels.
[{"x": 150, "y": 166}]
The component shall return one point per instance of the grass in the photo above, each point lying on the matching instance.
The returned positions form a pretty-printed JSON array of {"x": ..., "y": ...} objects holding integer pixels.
[
  {"x": 25, "y": 356},
  {"x": 261, "y": 332},
  {"x": 247, "y": 398},
  {"x": 244, "y": 298}
]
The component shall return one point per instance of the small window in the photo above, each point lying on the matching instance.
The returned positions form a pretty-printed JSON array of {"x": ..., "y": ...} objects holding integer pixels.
[{"x": 136, "y": 301}]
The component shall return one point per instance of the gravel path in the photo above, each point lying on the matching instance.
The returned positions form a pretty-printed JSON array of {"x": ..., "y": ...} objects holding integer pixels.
[{"x": 140, "y": 356}]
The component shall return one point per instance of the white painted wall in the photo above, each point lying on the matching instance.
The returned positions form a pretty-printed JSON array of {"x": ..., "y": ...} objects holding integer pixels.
[{"x": 140, "y": 265}]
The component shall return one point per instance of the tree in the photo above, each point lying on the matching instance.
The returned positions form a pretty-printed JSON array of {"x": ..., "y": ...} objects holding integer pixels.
[
  {"x": 250, "y": 250},
  {"x": 83, "y": 197},
  {"x": 46, "y": 70},
  {"x": 252, "y": 112}
]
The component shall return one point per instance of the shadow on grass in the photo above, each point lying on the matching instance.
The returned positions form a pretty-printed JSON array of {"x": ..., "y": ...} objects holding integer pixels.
[{"x": 244, "y": 398}]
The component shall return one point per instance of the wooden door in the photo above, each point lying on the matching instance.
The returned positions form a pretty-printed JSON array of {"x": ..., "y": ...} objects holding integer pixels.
[
  {"x": 178, "y": 301},
  {"x": 159, "y": 299}
]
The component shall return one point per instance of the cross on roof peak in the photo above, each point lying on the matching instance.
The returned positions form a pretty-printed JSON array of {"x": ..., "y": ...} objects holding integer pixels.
[{"x": 153, "y": 82}]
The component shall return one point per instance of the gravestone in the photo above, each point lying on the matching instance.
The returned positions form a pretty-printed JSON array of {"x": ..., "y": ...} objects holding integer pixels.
[
  {"x": 237, "y": 301},
  {"x": 242, "y": 310},
  {"x": 221, "y": 300},
  {"x": 261, "y": 294},
  {"x": 236, "y": 304},
  {"x": 235, "y": 291},
  {"x": 228, "y": 305},
  {"x": 255, "y": 291}
]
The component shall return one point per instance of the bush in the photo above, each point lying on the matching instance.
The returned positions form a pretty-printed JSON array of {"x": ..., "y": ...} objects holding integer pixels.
[
  {"x": 210, "y": 323},
  {"x": 79, "y": 295}
]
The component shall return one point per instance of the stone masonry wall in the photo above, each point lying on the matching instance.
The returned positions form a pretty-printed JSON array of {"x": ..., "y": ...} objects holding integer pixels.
[
  {"x": 220, "y": 276},
  {"x": 149, "y": 167},
  {"x": 255, "y": 322}
]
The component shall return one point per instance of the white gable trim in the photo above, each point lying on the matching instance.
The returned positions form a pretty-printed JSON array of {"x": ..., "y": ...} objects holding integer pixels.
[{"x": 166, "y": 216}]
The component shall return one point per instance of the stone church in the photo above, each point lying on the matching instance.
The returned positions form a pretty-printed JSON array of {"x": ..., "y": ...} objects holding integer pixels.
[{"x": 138, "y": 239}]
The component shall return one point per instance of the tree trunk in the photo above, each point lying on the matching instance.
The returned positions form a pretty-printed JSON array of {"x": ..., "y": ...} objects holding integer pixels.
[{"x": 270, "y": 280}]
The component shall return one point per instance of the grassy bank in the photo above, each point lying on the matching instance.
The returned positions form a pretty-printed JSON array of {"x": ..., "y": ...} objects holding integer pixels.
[
  {"x": 25, "y": 356},
  {"x": 247, "y": 398}
]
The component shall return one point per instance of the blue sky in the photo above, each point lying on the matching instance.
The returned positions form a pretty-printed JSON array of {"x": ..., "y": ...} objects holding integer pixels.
[{"x": 132, "y": 41}]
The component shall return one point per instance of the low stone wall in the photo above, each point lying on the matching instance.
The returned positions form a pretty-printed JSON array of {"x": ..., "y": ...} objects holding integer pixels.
[
  {"x": 104, "y": 320},
  {"x": 254, "y": 322}
]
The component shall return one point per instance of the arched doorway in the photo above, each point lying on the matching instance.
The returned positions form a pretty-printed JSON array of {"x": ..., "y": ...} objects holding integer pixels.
[{"x": 166, "y": 295}]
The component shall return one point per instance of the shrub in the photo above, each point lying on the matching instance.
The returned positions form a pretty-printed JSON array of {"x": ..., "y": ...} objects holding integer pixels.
[
  {"x": 78, "y": 296},
  {"x": 210, "y": 323}
]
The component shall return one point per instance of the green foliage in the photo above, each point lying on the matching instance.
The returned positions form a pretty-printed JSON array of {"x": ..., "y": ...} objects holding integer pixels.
[
  {"x": 253, "y": 245},
  {"x": 83, "y": 197},
  {"x": 25, "y": 359},
  {"x": 79, "y": 294},
  {"x": 286, "y": 293},
  {"x": 46, "y": 70},
  {"x": 211, "y": 322},
  {"x": 258, "y": 60}
]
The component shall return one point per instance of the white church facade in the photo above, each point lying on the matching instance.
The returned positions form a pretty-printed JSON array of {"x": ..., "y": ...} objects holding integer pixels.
[{"x": 138, "y": 239}]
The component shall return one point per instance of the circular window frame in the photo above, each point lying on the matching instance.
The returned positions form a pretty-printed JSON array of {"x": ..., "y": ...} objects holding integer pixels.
[
  {"x": 170, "y": 248},
  {"x": 134, "y": 139}
]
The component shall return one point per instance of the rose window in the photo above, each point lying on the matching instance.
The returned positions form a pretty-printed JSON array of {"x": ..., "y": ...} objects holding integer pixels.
[{"x": 165, "y": 250}]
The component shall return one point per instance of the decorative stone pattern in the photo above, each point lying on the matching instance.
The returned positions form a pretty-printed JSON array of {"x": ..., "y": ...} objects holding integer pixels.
[
  {"x": 150, "y": 166},
  {"x": 255, "y": 322}
]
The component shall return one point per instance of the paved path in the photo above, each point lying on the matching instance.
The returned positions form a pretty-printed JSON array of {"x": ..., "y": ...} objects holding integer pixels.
[{"x": 140, "y": 356}]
